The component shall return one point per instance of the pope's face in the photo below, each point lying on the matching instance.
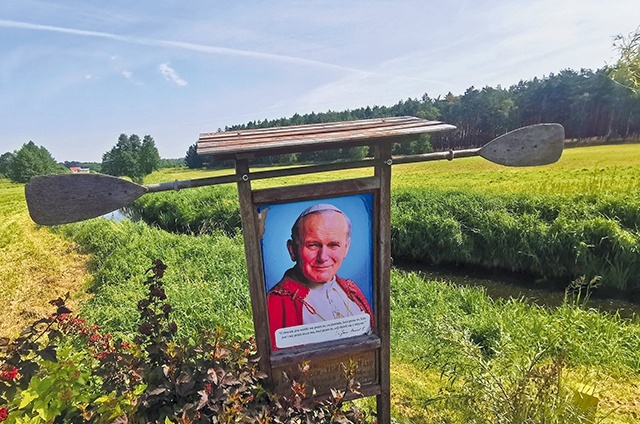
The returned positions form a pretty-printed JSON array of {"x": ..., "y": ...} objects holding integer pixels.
[{"x": 323, "y": 244}]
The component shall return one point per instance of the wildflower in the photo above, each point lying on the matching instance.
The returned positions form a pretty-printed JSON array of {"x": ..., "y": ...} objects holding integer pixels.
[
  {"x": 9, "y": 375},
  {"x": 3, "y": 413}
]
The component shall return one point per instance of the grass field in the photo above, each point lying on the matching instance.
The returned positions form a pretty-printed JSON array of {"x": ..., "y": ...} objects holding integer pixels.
[
  {"x": 446, "y": 340},
  {"x": 440, "y": 332},
  {"x": 555, "y": 223},
  {"x": 585, "y": 170},
  {"x": 36, "y": 265}
]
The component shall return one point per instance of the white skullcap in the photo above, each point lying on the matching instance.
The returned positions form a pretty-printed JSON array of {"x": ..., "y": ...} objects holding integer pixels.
[{"x": 319, "y": 208}]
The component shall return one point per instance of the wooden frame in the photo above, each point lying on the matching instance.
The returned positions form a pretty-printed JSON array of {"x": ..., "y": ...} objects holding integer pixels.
[{"x": 370, "y": 352}]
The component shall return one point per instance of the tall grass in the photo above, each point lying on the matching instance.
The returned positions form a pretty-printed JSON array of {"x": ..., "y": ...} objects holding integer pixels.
[
  {"x": 550, "y": 237},
  {"x": 206, "y": 276},
  {"x": 201, "y": 210},
  {"x": 427, "y": 311},
  {"x": 435, "y": 326},
  {"x": 472, "y": 359}
]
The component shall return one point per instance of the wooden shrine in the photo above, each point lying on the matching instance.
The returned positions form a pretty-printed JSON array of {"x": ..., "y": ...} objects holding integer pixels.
[{"x": 370, "y": 351}]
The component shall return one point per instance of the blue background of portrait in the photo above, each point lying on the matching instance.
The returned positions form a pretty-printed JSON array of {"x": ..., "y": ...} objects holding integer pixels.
[{"x": 357, "y": 266}]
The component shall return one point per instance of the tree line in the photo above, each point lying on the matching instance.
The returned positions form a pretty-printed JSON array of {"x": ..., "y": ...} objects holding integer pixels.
[
  {"x": 588, "y": 104},
  {"x": 603, "y": 104},
  {"x": 130, "y": 157}
]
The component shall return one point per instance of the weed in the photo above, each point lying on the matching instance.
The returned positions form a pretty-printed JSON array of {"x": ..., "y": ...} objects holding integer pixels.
[{"x": 580, "y": 290}]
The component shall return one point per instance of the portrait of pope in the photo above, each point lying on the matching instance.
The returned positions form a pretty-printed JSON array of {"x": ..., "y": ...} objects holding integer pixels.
[{"x": 312, "y": 291}]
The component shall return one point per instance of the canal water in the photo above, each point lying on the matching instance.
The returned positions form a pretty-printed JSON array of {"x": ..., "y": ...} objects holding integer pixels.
[
  {"x": 499, "y": 286},
  {"x": 117, "y": 215}
]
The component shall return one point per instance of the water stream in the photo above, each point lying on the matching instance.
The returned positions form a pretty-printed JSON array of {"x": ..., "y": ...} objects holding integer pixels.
[
  {"x": 117, "y": 215},
  {"x": 505, "y": 287}
]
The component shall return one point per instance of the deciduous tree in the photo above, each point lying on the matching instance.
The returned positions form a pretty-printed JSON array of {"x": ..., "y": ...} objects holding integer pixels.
[
  {"x": 5, "y": 160},
  {"x": 131, "y": 158},
  {"x": 626, "y": 71},
  {"x": 31, "y": 160}
]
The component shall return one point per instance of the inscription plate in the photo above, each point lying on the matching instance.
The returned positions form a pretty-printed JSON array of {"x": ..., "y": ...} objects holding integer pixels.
[{"x": 327, "y": 373}]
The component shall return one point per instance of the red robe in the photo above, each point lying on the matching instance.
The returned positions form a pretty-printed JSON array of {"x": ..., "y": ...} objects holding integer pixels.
[{"x": 287, "y": 298}]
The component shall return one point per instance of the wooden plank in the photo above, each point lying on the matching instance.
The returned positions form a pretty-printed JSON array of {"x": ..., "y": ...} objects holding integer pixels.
[
  {"x": 312, "y": 191},
  {"x": 301, "y": 132},
  {"x": 327, "y": 373},
  {"x": 352, "y": 345},
  {"x": 314, "y": 142},
  {"x": 314, "y": 137},
  {"x": 257, "y": 291},
  {"x": 314, "y": 128},
  {"x": 383, "y": 303},
  {"x": 312, "y": 169}
]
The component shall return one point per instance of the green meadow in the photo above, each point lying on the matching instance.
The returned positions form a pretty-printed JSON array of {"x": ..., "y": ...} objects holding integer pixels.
[
  {"x": 458, "y": 356},
  {"x": 577, "y": 217},
  {"x": 603, "y": 169}
]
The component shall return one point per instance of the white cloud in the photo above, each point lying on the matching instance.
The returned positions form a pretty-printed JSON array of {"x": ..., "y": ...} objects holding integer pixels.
[
  {"x": 127, "y": 74},
  {"x": 171, "y": 75}
]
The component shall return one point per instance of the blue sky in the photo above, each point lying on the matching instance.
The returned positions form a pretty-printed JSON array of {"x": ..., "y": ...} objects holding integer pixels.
[{"x": 75, "y": 74}]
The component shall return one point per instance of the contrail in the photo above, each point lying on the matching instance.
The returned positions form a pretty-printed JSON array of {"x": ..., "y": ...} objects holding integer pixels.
[{"x": 201, "y": 48}]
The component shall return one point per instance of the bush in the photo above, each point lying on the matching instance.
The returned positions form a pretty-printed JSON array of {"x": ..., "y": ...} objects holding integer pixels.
[
  {"x": 198, "y": 211},
  {"x": 549, "y": 237},
  {"x": 153, "y": 378}
]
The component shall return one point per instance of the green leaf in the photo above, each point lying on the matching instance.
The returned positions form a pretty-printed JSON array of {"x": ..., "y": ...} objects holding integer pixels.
[{"x": 27, "y": 398}]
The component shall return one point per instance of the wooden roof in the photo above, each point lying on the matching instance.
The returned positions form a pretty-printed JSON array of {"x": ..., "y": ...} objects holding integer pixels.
[{"x": 300, "y": 138}]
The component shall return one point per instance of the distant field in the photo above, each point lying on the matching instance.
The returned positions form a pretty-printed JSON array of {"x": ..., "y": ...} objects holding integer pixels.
[{"x": 585, "y": 170}]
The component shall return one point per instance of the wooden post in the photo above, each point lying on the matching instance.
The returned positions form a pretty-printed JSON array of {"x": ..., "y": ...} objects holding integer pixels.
[
  {"x": 383, "y": 173},
  {"x": 250, "y": 232}
]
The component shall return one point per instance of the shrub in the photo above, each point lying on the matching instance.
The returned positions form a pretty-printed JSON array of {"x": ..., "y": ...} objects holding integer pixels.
[
  {"x": 202, "y": 210},
  {"x": 549, "y": 237},
  {"x": 63, "y": 369}
]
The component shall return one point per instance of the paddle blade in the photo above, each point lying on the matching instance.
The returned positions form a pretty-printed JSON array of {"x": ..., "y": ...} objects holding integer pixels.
[
  {"x": 65, "y": 198},
  {"x": 539, "y": 144}
]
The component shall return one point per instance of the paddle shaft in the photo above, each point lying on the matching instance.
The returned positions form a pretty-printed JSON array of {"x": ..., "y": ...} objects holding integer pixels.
[
  {"x": 301, "y": 170},
  {"x": 64, "y": 198}
]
